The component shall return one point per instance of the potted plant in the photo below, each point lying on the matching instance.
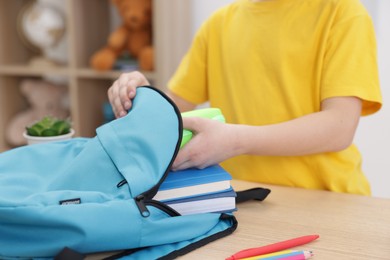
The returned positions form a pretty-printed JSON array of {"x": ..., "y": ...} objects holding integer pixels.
[{"x": 48, "y": 129}]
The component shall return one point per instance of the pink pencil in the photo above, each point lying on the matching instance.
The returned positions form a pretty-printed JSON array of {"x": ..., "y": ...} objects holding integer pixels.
[
  {"x": 273, "y": 247},
  {"x": 284, "y": 255}
]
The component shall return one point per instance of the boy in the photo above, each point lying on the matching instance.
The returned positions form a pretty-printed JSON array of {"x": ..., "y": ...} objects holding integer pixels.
[{"x": 292, "y": 78}]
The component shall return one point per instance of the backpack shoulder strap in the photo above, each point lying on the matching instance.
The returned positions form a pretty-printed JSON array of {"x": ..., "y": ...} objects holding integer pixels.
[{"x": 252, "y": 194}]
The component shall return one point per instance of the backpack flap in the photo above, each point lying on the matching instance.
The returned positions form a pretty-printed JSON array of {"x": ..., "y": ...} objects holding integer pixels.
[{"x": 144, "y": 143}]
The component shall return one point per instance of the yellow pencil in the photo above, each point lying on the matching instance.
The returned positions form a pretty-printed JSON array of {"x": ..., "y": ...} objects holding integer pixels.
[{"x": 269, "y": 255}]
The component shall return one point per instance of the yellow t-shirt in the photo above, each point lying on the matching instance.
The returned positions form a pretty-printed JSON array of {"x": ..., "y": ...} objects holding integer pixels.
[{"x": 273, "y": 61}]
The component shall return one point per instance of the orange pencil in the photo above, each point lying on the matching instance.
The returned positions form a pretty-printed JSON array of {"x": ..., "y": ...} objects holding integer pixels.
[{"x": 287, "y": 244}]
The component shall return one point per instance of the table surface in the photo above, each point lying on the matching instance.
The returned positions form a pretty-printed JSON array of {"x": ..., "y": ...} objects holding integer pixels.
[{"x": 350, "y": 226}]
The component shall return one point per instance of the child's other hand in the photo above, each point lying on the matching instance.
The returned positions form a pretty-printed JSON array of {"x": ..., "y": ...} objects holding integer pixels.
[
  {"x": 123, "y": 90},
  {"x": 213, "y": 142}
]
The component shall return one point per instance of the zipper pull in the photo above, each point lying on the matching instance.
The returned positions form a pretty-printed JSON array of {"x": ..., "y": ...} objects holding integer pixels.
[
  {"x": 139, "y": 200},
  {"x": 121, "y": 183}
]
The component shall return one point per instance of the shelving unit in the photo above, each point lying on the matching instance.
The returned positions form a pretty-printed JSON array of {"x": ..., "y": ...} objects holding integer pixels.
[{"x": 87, "y": 25}]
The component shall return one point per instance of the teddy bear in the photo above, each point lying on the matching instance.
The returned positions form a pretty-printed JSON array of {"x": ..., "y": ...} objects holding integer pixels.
[
  {"x": 45, "y": 99},
  {"x": 133, "y": 37}
]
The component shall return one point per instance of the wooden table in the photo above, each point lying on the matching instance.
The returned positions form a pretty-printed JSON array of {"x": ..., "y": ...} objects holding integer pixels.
[{"x": 350, "y": 226}]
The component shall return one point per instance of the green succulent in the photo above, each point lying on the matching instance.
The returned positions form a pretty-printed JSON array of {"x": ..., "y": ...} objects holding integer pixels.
[{"x": 49, "y": 126}]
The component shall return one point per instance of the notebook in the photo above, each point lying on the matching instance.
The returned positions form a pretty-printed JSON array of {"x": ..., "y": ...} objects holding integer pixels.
[
  {"x": 193, "y": 182},
  {"x": 224, "y": 201}
]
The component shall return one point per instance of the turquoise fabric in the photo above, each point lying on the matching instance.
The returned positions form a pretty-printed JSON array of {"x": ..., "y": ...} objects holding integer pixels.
[{"x": 83, "y": 173}]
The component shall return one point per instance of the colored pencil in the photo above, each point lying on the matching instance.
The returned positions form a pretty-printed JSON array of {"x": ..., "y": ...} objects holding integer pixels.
[
  {"x": 283, "y": 245},
  {"x": 283, "y": 255}
]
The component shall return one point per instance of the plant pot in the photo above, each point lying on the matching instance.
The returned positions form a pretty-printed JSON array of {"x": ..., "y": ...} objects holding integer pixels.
[{"x": 44, "y": 139}]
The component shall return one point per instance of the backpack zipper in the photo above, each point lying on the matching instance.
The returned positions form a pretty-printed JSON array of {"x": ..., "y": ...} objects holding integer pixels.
[{"x": 141, "y": 203}]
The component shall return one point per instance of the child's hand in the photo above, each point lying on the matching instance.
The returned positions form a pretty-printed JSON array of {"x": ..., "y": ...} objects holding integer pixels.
[
  {"x": 123, "y": 90},
  {"x": 213, "y": 142}
]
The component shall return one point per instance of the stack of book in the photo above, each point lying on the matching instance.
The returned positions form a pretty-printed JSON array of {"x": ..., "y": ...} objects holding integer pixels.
[{"x": 195, "y": 191}]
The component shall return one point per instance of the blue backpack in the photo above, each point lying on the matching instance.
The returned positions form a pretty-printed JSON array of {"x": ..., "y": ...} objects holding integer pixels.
[{"x": 95, "y": 194}]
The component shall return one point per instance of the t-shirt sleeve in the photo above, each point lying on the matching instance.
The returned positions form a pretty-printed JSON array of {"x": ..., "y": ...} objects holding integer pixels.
[{"x": 350, "y": 63}]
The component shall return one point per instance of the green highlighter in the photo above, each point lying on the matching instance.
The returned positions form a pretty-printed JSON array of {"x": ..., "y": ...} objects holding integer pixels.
[{"x": 211, "y": 113}]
